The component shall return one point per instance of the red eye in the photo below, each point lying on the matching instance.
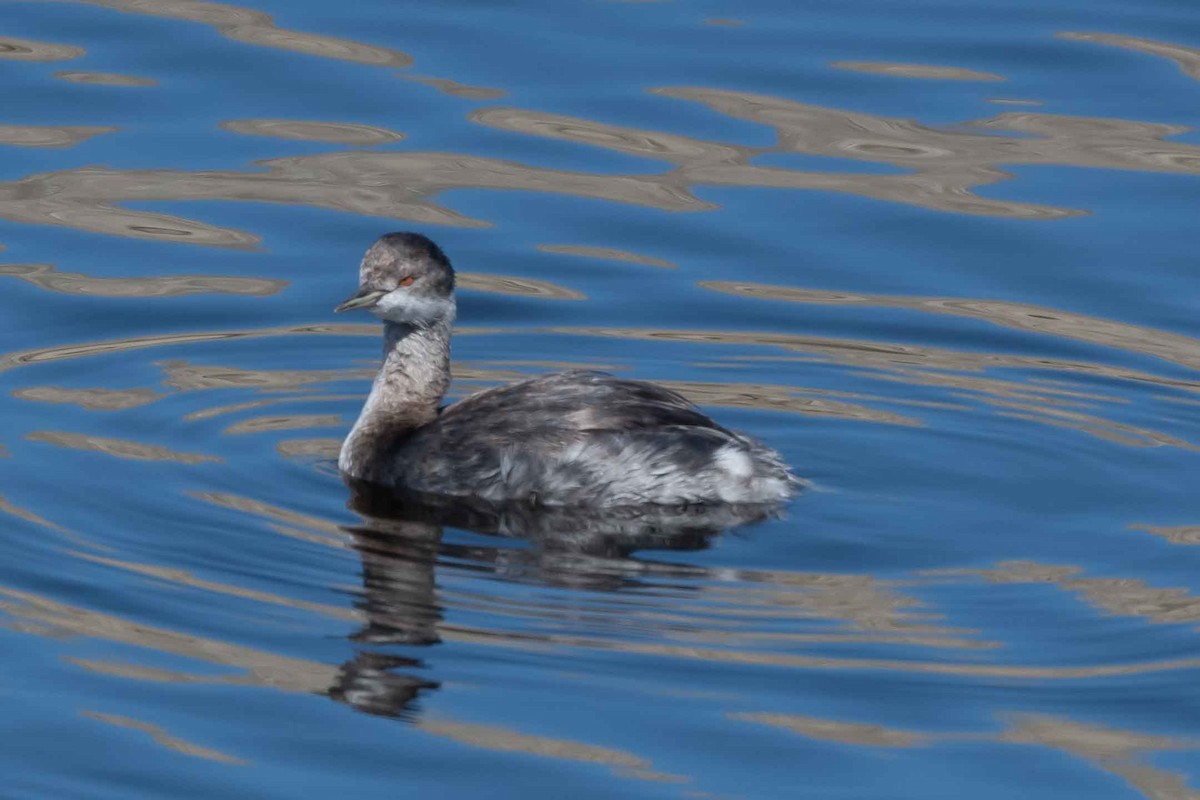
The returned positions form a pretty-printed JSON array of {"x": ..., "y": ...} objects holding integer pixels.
[{"x": 406, "y": 281}]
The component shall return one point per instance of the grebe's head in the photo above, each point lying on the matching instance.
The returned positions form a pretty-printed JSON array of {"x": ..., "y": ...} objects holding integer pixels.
[{"x": 405, "y": 278}]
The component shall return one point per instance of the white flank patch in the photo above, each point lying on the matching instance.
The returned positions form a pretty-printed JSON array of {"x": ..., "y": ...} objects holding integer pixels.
[{"x": 735, "y": 461}]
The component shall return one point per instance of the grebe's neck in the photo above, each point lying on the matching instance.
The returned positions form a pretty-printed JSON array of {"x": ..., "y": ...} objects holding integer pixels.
[{"x": 405, "y": 395}]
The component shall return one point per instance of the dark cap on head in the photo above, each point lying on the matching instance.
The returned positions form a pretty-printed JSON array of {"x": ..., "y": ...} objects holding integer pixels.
[
  {"x": 405, "y": 277},
  {"x": 396, "y": 256}
]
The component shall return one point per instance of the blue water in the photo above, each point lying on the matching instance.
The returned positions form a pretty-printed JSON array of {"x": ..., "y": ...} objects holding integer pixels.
[{"x": 939, "y": 255}]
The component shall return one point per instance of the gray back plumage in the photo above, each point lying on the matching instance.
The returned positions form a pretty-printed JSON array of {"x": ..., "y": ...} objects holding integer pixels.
[{"x": 579, "y": 437}]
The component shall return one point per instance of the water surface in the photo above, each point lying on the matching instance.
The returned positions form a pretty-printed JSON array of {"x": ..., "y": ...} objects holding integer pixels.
[{"x": 941, "y": 255}]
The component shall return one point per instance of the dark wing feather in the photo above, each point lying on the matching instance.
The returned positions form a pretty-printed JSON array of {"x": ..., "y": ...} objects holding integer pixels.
[
  {"x": 538, "y": 417},
  {"x": 575, "y": 401}
]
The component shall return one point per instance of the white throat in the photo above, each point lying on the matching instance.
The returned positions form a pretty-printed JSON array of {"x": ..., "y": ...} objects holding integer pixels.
[{"x": 406, "y": 308}]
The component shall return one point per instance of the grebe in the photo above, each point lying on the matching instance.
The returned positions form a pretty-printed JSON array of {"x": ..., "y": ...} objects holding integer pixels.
[{"x": 577, "y": 438}]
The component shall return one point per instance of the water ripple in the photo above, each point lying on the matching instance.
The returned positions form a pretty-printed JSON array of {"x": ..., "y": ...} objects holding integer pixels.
[
  {"x": 922, "y": 71},
  {"x": 46, "y": 276},
  {"x": 255, "y": 27},
  {"x": 989, "y": 575},
  {"x": 104, "y": 78},
  {"x": 25, "y": 50}
]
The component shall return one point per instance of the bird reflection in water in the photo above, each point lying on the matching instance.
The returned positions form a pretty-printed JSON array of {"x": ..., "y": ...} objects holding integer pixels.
[{"x": 400, "y": 542}]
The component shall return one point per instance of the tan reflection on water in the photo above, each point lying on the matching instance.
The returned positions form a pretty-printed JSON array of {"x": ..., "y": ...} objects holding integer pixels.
[
  {"x": 1112, "y": 750},
  {"x": 1099, "y": 427},
  {"x": 543, "y": 364},
  {"x": 45, "y": 276},
  {"x": 139, "y": 672},
  {"x": 160, "y": 736},
  {"x": 490, "y": 737},
  {"x": 923, "y": 71},
  {"x": 775, "y": 593},
  {"x": 1187, "y": 58},
  {"x": 91, "y": 399},
  {"x": 187, "y": 377},
  {"x": 21, "y": 513},
  {"x": 331, "y": 533},
  {"x": 836, "y": 731},
  {"x": 255, "y": 27},
  {"x": 1043, "y": 401},
  {"x": 104, "y": 78},
  {"x": 79, "y": 540},
  {"x": 786, "y": 398},
  {"x": 875, "y": 609},
  {"x": 681, "y": 150},
  {"x": 1118, "y": 596},
  {"x": 521, "y": 287},
  {"x": 181, "y": 577},
  {"x": 454, "y": 88},
  {"x": 310, "y": 131},
  {"x": 121, "y": 448},
  {"x": 326, "y": 449},
  {"x": 25, "y": 50},
  {"x": 1179, "y": 534},
  {"x": 1040, "y": 401},
  {"x": 1180, "y": 349},
  {"x": 44, "y": 136},
  {"x": 945, "y": 165},
  {"x": 84, "y": 199},
  {"x": 285, "y": 423},
  {"x": 391, "y": 185},
  {"x": 728, "y": 615},
  {"x": 39, "y": 355},
  {"x": 319, "y": 532},
  {"x": 43, "y": 616},
  {"x": 956, "y": 157},
  {"x": 261, "y": 668},
  {"x": 871, "y": 605},
  {"x": 924, "y": 366},
  {"x": 1013, "y": 101},
  {"x": 606, "y": 253},
  {"x": 233, "y": 408}
]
